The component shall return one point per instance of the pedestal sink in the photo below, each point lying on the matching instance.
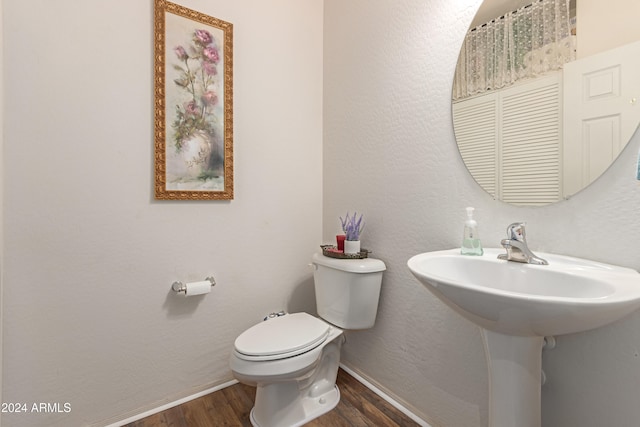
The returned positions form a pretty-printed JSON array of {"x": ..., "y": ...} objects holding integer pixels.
[{"x": 517, "y": 305}]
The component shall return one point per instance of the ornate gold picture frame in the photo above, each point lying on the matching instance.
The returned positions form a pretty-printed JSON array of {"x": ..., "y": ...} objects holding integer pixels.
[{"x": 193, "y": 105}]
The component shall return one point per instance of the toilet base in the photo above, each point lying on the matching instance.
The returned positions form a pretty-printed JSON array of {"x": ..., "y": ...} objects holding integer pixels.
[{"x": 309, "y": 409}]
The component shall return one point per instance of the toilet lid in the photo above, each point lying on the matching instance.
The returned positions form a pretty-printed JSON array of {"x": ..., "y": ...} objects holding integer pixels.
[{"x": 281, "y": 337}]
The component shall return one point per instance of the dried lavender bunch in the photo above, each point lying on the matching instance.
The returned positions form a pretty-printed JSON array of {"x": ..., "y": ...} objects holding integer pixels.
[{"x": 352, "y": 226}]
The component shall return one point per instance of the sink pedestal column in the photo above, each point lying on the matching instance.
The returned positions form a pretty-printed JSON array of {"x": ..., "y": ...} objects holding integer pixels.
[{"x": 515, "y": 365}]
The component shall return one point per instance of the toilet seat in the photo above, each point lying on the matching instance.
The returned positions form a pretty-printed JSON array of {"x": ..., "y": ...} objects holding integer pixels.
[{"x": 281, "y": 337}]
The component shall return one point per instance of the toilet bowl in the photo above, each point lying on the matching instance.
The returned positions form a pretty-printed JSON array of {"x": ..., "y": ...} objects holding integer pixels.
[
  {"x": 293, "y": 359},
  {"x": 296, "y": 374}
]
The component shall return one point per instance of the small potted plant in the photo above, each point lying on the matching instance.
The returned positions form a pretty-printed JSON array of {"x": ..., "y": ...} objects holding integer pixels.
[{"x": 352, "y": 227}]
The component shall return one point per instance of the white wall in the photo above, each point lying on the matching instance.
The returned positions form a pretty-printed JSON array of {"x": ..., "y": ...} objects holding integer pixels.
[
  {"x": 389, "y": 152},
  {"x": 90, "y": 256},
  {"x": 605, "y": 25}
]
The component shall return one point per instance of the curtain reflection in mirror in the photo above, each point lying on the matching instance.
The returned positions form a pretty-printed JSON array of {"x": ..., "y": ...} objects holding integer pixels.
[{"x": 525, "y": 43}]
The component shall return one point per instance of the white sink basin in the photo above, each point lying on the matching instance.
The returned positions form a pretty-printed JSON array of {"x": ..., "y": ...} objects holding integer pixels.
[
  {"x": 568, "y": 295},
  {"x": 517, "y": 305}
]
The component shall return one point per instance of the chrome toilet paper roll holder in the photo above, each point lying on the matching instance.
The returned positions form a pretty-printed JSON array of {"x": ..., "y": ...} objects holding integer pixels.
[{"x": 180, "y": 287}]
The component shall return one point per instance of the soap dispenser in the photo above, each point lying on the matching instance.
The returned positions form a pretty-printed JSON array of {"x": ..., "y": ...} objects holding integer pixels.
[{"x": 471, "y": 239}]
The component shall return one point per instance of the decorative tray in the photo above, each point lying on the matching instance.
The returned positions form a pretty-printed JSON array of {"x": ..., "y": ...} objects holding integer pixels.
[{"x": 332, "y": 252}]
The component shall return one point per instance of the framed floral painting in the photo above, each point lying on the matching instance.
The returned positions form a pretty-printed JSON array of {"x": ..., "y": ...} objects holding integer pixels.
[{"x": 193, "y": 105}]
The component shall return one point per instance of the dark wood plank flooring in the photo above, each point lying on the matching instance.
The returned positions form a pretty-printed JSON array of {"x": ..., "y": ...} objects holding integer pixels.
[{"x": 230, "y": 406}]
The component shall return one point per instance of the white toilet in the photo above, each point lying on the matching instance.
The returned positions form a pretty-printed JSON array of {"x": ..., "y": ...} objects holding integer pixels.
[{"x": 293, "y": 359}]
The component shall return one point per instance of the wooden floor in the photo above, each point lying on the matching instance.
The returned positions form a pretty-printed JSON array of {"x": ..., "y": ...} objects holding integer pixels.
[{"x": 230, "y": 406}]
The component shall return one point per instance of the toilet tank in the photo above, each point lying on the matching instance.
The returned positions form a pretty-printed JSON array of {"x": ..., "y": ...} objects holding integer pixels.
[{"x": 347, "y": 290}]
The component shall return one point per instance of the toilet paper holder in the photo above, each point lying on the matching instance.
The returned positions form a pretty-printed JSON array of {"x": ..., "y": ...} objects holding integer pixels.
[{"x": 180, "y": 287}]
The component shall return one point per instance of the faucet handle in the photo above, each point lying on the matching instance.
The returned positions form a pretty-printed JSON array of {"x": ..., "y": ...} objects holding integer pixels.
[{"x": 516, "y": 231}]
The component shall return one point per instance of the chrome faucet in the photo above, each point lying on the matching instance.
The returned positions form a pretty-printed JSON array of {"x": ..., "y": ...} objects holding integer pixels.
[{"x": 516, "y": 246}]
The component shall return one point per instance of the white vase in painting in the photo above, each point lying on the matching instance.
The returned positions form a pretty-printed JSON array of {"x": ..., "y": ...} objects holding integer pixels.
[{"x": 195, "y": 154}]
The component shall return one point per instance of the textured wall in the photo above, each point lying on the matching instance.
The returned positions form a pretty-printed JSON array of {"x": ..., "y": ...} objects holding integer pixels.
[
  {"x": 389, "y": 152},
  {"x": 90, "y": 257}
]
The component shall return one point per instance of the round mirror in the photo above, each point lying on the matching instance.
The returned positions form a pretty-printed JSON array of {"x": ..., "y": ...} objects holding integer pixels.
[{"x": 546, "y": 94}]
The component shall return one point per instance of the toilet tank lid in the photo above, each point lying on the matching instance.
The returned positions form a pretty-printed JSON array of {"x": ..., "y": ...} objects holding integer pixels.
[{"x": 365, "y": 265}]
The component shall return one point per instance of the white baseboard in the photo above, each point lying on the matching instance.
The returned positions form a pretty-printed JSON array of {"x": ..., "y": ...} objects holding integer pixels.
[
  {"x": 348, "y": 370},
  {"x": 385, "y": 396},
  {"x": 172, "y": 404}
]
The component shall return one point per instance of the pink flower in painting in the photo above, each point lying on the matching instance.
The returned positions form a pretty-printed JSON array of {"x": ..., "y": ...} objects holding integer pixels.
[
  {"x": 181, "y": 53},
  {"x": 203, "y": 37},
  {"x": 198, "y": 79},
  {"x": 209, "y": 98},
  {"x": 209, "y": 68},
  {"x": 211, "y": 54},
  {"x": 191, "y": 108}
]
